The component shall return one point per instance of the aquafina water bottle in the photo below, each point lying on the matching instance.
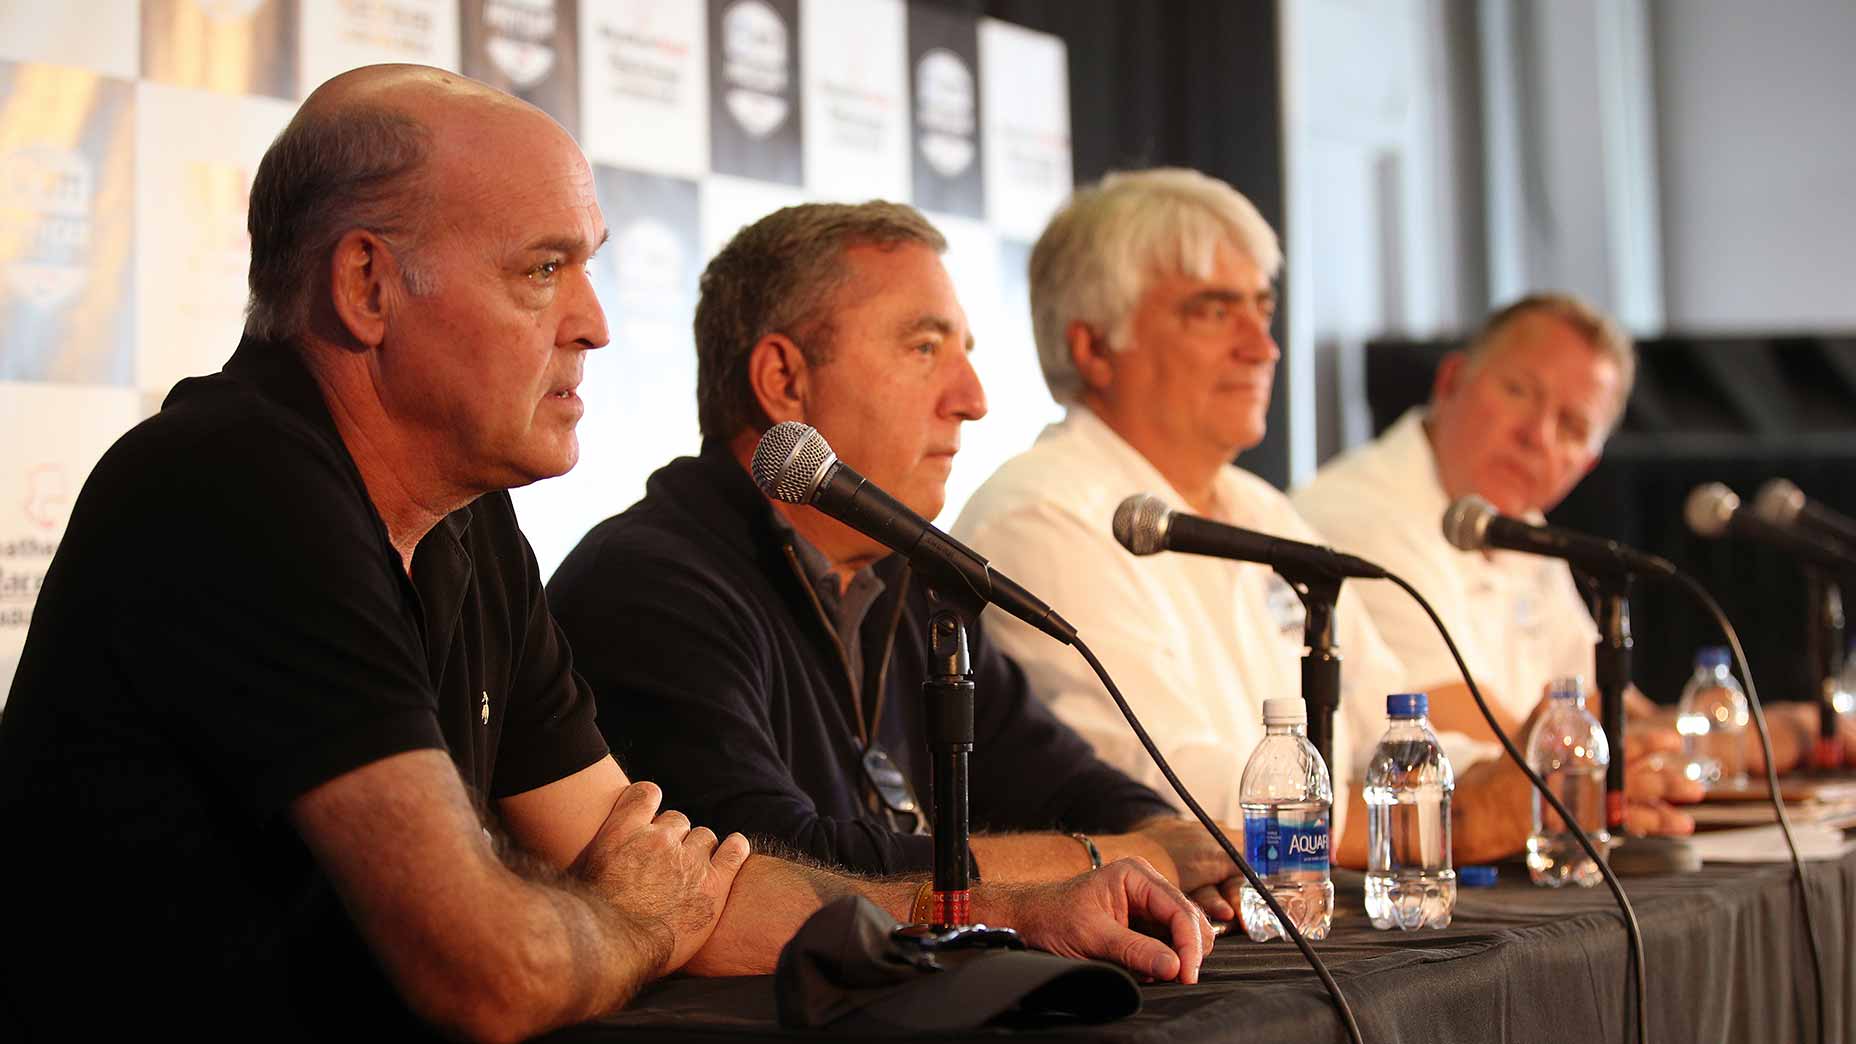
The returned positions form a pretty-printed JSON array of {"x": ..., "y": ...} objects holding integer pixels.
[
  {"x": 1569, "y": 751},
  {"x": 1409, "y": 881},
  {"x": 1712, "y": 718},
  {"x": 1286, "y": 797}
]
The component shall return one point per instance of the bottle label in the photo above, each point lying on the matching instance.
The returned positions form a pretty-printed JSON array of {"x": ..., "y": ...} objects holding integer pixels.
[{"x": 1287, "y": 842}]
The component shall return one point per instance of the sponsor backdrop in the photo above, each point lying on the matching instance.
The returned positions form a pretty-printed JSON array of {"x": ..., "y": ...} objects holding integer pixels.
[{"x": 129, "y": 130}]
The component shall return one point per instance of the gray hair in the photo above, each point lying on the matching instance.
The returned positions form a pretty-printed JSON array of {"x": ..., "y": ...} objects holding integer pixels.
[
  {"x": 1099, "y": 253},
  {"x": 361, "y": 166},
  {"x": 1600, "y": 331},
  {"x": 779, "y": 275}
]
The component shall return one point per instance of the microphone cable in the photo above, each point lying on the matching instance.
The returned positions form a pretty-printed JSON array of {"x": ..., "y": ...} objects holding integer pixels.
[
  {"x": 1633, "y": 935},
  {"x": 1714, "y": 609},
  {"x": 1288, "y": 924}
]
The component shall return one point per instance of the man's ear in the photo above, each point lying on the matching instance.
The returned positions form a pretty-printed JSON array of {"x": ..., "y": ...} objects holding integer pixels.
[
  {"x": 1449, "y": 379},
  {"x": 779, "y": 376},
  {"x": 1090, "y": 354},
  {"x": 362, "y": 276}
]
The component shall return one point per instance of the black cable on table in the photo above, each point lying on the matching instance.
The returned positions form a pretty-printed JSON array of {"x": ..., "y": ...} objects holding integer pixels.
[
  {"x": 1632, "y": 934},
  {"x": 1772, "y": 781},
  {"x": 1288, "y": 924}
]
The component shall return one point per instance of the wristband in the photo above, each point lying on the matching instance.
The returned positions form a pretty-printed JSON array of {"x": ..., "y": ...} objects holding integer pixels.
[
  {"x": 922, "y": 911},
  {"x": 1095, "y": 854}
]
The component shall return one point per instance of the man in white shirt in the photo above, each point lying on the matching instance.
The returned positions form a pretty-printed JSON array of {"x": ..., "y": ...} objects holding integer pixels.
[
  {"x": 1152, "y": 299},
  {"x": 1518, "y": 417},
  {"x": 1151, "y": 302}
]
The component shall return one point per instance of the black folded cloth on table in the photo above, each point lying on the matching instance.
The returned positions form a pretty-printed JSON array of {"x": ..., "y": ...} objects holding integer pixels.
[{"x": 846, "y": 972}]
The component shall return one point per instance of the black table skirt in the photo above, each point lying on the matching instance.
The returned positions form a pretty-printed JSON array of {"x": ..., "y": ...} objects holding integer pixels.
[{"x": 1725, "y": 948}]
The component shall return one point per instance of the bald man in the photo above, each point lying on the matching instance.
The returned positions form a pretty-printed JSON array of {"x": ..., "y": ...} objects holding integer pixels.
[{"x": 295, "y": 749}]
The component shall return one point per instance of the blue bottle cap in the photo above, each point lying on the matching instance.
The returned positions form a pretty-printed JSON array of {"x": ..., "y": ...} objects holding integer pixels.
[
  {"x": 1476, "y": 876},
  {"x": 1712, "y": 656},
  {"x": 1567, "y": 687},
  {"x": 1407, "y": 705}
]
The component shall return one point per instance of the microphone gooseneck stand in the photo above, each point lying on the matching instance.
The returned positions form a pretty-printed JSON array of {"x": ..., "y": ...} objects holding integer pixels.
[
  {"x": 948, "y": 693},
  {"x": 1612, "y": 655},
  {"x": 1823, "y": 642},
  {"x": 1319, "y": 590},
  {"x": 1611, "y": 662}
]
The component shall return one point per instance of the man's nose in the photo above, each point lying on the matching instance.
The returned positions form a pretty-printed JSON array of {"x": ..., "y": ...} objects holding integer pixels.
[
  {"x": 1537, "y": 426},
  {"x": 965, "y": 396},
  {"x": 584, "y": 324},
  {"x": 1251, "y": 336}
]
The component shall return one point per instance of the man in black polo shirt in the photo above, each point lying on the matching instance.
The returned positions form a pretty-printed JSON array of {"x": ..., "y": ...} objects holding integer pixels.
[
  {"x": 763, "y": 662},
  {"x": 294, "y": 750}
]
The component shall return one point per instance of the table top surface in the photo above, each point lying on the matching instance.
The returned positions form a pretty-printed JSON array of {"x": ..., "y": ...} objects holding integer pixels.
[{"x": 1724, "y": 945}]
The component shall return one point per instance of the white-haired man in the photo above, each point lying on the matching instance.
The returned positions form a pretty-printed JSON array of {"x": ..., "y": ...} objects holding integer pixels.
[{"x": 1151, "y": 303}]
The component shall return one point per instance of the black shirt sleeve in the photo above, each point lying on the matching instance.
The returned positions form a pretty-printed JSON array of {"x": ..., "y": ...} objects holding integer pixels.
[
  {"x": 685, "y": 683},
  {"x": 259, "y": 617},
  {"x": 549, "y": 732},
  {"x": 1031, "y": 772}
]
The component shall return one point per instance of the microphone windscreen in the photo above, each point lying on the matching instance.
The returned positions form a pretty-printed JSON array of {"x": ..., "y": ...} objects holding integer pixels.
[
  {"x": 1709, "y": 509},
  {"x": 1466, "y": 523},
  {"x": 1141, "y": 523},
  {"x": 1779, "y": 502},
  {"x": 790, "y": 460}
]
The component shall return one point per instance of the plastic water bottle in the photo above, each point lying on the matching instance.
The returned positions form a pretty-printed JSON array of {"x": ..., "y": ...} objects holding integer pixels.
[
  {"x": 1286, "y": 797},
  {"x": 1409, "y": 882},
  {"x": 1712, "y": 718},
  {"x": 1569, "y": 751},
  {"x": 1843, "y": 700}
]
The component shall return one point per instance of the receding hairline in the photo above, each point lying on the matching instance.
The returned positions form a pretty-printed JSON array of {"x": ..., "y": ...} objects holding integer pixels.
[
  {"x": 1498, "y": 338},
  {"x": 406, "y": 89},
  {"x": 453, "y": 110}
]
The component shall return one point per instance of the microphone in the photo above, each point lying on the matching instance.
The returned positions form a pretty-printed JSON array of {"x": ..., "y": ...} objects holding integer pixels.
[
  {"x": 1145, "y": 525},
  {"x": 1713, "y": 510},
  {"x": 1473, "y": 524},
  {"x": 1785, "y": 505},
  {"x": 793, "y": 463}
]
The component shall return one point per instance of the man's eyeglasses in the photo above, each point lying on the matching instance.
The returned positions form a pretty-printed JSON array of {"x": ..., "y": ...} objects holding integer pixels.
[{"x": 1216, "y": 312}]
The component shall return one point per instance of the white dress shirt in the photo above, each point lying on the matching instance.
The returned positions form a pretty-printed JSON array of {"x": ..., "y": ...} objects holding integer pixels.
[
  {"x": 1519, "y": 619},
  {"x": 1195, "y": 643}
]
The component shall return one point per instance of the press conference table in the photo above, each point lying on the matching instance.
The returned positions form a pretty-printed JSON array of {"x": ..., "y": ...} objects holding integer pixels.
[{"x": 1725, "y": 948}]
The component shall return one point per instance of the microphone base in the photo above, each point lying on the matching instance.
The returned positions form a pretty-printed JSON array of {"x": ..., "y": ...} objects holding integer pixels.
[
  {"x": 1645, "y": 856},
  {"x": 932, "y": 937}
]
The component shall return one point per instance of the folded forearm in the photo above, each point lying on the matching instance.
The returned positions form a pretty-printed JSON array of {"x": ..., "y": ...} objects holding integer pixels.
[
  {"x": 537, "y": 954},
  {"x": 771, "y": 898}
]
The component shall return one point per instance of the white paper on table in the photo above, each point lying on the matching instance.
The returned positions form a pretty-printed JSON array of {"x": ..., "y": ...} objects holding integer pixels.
[{"x": 1766, "y": 844}]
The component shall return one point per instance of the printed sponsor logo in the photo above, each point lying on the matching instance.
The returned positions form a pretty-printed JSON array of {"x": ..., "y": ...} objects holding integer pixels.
[
  {"x": 521, "y": 39},
  {"x": 45, "y": 207},
  {"x": 756, "y": 66},
  {"x": 48, "y": 497},
  {"x": 945, "y": 111}
]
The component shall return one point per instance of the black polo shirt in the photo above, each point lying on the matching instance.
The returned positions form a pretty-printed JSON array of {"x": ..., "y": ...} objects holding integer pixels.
[{"x": 226, "y": 626}]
